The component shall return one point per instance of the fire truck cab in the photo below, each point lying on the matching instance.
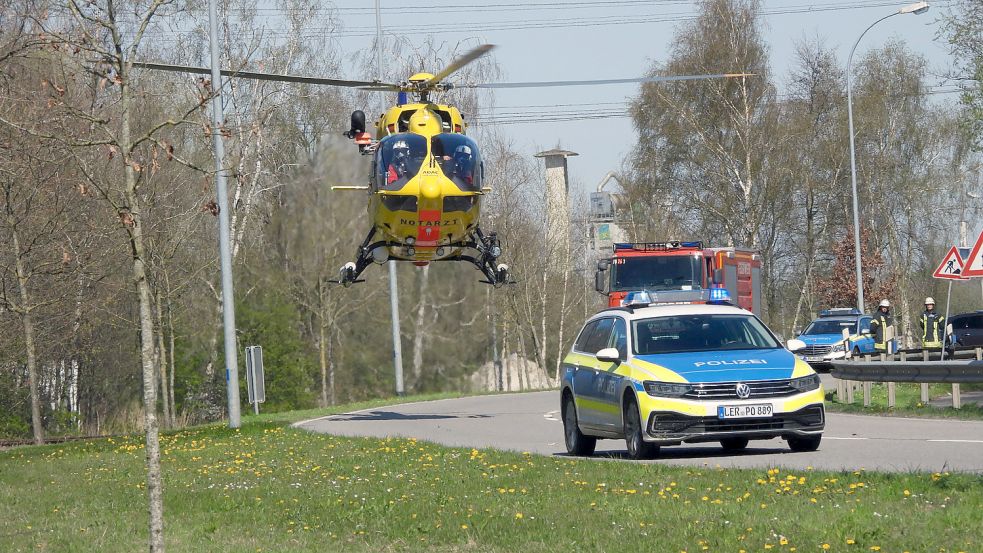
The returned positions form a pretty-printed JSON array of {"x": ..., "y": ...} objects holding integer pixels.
[{"x": 660, "y": 266}]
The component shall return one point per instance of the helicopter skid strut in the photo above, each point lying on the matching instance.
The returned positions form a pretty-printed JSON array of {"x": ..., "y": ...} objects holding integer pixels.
[{"x": 487, "y": 248}]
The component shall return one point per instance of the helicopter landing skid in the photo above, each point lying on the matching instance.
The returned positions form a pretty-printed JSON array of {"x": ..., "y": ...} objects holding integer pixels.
[{"x": 487, "y": 248}]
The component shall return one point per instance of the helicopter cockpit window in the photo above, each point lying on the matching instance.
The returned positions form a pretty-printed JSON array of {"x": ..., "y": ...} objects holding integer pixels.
[
  {"x": 459, "y": 160},
  {"x": 399, "y": 159}
]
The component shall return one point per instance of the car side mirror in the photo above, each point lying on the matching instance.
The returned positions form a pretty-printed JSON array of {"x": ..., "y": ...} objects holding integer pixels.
[
  {"x": 601, "y": 276},
  {"x": 794, "y": 345},
  {"x": 718, "y": 276},
  {"x": 608, "y": 355}
]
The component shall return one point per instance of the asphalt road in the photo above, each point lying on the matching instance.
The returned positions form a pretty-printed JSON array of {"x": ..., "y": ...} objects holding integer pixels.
[{"x": 531, "y": 422}]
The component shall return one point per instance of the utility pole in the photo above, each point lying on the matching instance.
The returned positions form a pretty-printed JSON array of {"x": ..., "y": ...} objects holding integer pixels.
[
  {"x": 225, "y": 254},
  {"x": 393, "y": 289}
]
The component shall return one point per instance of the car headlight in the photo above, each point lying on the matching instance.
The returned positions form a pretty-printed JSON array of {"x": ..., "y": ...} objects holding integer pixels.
[
  {"x": 806, "y": 383},
  {"x": 838, "y": 347},
  {"x": 666, "y": 389}
]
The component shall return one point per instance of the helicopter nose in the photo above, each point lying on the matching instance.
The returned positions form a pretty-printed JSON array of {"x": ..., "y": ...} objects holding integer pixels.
[{"x": 430, "y": 189}]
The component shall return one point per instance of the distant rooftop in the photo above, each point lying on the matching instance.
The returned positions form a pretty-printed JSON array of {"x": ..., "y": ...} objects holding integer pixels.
[{"x": 548, "y": 153}]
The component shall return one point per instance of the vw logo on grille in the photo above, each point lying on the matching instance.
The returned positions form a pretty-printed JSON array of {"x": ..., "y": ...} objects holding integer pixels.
[{"x": 743, "y": 390}]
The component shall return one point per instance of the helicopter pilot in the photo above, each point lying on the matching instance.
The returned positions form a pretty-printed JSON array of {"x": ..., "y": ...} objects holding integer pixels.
[
  {"x": 464, "y": 163},
  {"x": 399, "y": 165}
]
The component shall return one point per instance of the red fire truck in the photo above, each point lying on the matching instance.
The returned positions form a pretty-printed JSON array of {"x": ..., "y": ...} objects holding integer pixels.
[{"x": 664, "y": 266}]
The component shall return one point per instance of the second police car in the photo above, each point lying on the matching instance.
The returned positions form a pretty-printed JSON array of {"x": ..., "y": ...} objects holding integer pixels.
[
  {"x": 663, "y": 374},
  {"x": 836, "y": 331}
]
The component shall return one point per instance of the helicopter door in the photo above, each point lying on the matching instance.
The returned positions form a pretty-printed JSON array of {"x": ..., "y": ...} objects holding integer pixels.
[
  {"x": 459, "y": 160},
  {"x": 398, "y": 159}
]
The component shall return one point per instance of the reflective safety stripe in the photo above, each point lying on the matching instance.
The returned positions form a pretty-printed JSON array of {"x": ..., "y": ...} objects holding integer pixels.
[{"x": 932, "y": 330}]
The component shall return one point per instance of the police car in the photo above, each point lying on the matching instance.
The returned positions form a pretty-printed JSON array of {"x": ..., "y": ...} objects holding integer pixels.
[
  {"x": 828, "y": 338},
  {"x": 685, "y": 366}
]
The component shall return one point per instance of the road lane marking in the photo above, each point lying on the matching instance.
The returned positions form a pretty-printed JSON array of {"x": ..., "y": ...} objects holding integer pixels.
[
  {"x": 552, "y": 416},
  {"x": 906, "y": 440}
]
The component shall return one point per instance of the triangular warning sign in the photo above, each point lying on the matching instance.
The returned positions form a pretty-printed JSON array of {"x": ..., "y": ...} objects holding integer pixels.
[
  {"x": 951, "y": 266},
  {"x": 973, "y": 267}
]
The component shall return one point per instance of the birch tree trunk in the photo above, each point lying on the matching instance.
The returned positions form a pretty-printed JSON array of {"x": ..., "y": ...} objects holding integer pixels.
[
  {"x": 133, "y": 219},
  {"x": 323, "y": 351},
  {"x": 27, "y": 321},
  {"x": 162, "y": 357}
]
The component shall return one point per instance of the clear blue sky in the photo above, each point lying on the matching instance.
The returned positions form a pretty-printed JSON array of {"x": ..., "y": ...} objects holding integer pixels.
[{"x": 564, "y": 40}]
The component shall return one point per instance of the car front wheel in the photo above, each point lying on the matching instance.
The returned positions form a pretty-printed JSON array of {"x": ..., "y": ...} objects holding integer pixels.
[
  {"x": 809, "y": 443},
  {"x": 734, "y": 444},
  {"x": 638, "y": 448},
  {"x": 577, "y": 443}
]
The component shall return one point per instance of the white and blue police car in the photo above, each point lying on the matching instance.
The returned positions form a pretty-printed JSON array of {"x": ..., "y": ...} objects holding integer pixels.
[{"x": 685, "y": 366}]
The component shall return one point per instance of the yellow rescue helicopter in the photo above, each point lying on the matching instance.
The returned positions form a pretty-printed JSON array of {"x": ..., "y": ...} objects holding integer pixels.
[{"x": 427, "y": 175}]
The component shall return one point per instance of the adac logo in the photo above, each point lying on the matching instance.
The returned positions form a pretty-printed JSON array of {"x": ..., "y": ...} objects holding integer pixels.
[{"x": 743, "y": 390}]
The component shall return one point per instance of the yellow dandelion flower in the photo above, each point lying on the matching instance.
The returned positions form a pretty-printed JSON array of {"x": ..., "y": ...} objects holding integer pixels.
[
  {"x": 518, "y": 515},
  {"x": 850, "y": 541},
  {"x": 825, "y": 547},
  {"x": 875, "y": 548},
  {"x": 464, "y": 527}
]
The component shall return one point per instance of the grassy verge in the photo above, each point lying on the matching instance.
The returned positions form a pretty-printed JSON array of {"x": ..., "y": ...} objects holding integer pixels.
[
  {"x": 907, "y": 402},
  {"x": 267, "y": 487}
]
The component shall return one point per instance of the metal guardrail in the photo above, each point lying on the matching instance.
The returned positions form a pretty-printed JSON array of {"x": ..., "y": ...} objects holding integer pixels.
[
  {"x": 964, "y": 372},
  {"x": 922, "y": 369}
]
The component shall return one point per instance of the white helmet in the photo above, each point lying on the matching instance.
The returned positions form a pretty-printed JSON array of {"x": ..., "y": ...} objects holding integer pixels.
[
  {"x": 930, "y": 301},
  {"x": 885, "y": 303}
]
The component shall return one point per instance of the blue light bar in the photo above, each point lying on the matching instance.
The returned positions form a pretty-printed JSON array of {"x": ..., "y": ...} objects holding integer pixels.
[
  {"x": 656, "y": 246},
  {"x": 636, "y": 299},
  {"x": 719, "y": 294},
  {"x": 839, "y": 311},
  {"x": 401, "y": 99}
]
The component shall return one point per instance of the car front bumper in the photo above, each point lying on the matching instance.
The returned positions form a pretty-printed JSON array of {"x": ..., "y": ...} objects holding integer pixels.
[
  {"x": 668, "y": 428},
  {"x": 673, "y": 421}
]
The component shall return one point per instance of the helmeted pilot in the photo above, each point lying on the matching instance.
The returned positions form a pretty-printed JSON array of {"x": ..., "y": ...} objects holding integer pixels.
[
  {"x": 464, "y": 163},
  {"x": 399, "y": 164}
]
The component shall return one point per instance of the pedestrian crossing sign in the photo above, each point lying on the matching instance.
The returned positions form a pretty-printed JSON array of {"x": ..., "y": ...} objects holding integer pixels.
[
  {"x": 973, "y": 267},
  {"x": 951, "y": 266}
]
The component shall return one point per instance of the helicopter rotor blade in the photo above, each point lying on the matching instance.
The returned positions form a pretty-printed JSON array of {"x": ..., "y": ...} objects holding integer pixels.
[
  {"x": 367, "y": 85},
  {"x": 653, "y": 79},
  {"x": 458, "y": 63}
]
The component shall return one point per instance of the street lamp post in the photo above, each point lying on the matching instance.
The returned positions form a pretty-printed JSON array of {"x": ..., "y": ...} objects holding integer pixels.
[{"x": 916, "y": 8}]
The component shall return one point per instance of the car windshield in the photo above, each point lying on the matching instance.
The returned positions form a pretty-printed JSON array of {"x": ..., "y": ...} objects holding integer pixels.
[
  {"x": 661, "y": 272},
  {"x": 704, "y": 332},
  {"x": 828, "y": 326}
]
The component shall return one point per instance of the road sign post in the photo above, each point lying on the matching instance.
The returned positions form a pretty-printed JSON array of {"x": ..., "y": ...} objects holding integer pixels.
[
  {"x": 255, "y": 380},
  {"x": 973, "y": 265}
]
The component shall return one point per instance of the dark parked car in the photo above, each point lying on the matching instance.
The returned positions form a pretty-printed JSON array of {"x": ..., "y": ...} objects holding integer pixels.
[{"x": 967, "y": 330}]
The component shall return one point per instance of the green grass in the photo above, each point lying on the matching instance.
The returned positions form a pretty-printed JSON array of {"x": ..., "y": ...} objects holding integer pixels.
[
  {"x": 267, "y": 487},
  {"x": 907, "y": 402}
]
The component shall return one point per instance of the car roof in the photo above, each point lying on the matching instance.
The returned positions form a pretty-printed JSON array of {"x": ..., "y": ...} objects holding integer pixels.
[
  {"x": 671, "y": 310},
  {"x": 968, "y": 314},
  {"x": 846, "y": 318}
]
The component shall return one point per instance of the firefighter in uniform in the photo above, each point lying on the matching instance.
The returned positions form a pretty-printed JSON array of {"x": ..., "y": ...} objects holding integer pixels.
[
  {"x": 882, "y": 319},
  {"x": 933, "y": 325}
]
